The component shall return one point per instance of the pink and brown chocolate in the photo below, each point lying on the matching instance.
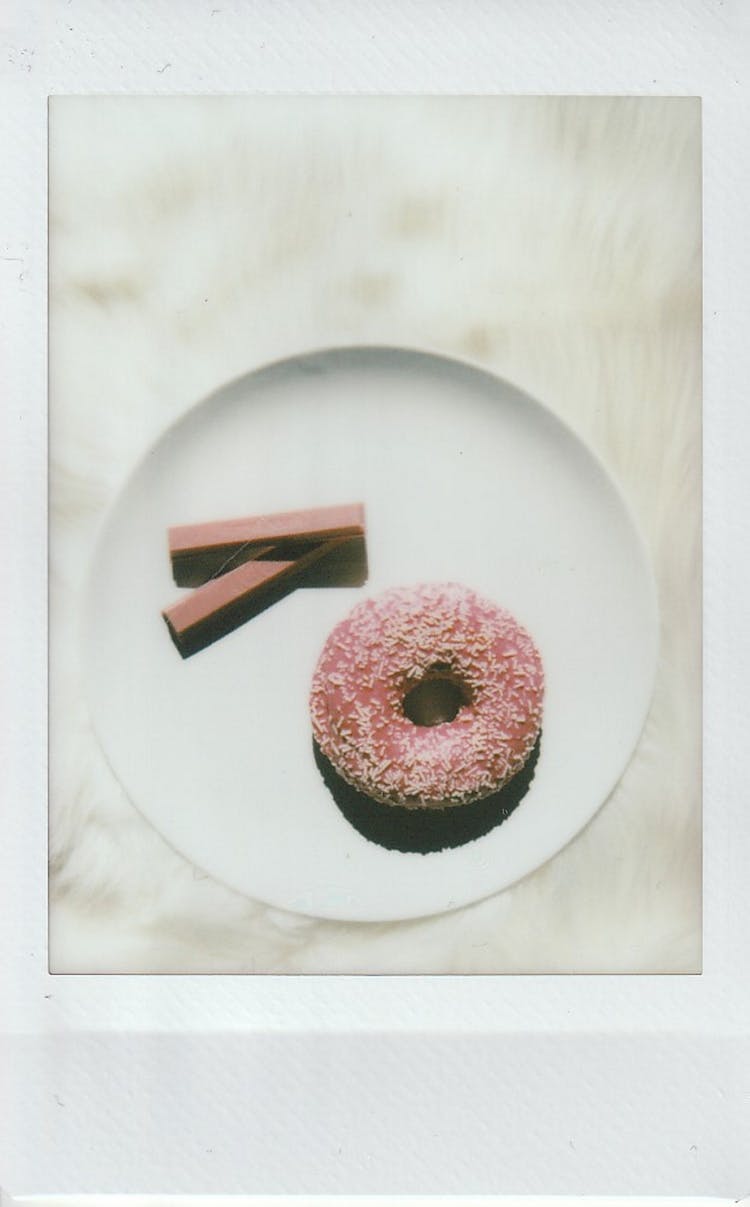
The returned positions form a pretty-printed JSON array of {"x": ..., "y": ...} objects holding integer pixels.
[{"x": 239, "y": 567}]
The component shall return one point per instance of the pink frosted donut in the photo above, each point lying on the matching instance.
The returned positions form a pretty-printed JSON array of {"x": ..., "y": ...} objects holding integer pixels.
[{"x": 427, "y": 696}]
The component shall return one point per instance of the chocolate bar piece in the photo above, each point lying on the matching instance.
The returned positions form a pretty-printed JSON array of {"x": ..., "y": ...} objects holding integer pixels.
[
  {"x": 224, "y": 603},
  {"x": 345, "y": 566},
  {"x": 200, "y": 552}
]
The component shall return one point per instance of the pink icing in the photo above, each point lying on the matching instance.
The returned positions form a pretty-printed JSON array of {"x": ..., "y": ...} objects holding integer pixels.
[{"x": 386, "y": 646}]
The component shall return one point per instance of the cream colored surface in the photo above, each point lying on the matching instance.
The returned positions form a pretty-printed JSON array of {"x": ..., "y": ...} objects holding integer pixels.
[{"x": 556, "y": 242}]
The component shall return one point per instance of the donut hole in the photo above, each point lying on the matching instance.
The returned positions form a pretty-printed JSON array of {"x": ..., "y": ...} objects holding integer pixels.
[{"x": 435, "y": 700}]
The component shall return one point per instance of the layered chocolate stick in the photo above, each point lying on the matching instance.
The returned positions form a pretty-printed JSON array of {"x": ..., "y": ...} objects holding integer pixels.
[
  {"x": 221, "y": 605},
  {"x": 200, "y": 552}
]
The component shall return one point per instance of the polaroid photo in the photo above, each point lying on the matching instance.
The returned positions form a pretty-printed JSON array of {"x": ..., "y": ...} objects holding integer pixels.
[
  {"x": 375, "y": 534},
  {"x": 392, "y": 442}
]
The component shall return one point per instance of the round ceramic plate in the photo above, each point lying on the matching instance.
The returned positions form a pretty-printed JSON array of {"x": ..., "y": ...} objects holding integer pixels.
[{"x": 464, "y": 479}]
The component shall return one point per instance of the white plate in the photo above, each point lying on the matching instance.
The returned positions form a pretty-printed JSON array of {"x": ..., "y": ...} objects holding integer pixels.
[{"x": 464, "y": 479}]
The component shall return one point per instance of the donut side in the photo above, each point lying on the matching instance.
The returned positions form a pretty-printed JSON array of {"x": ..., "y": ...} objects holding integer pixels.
[{"x": 424, "y": 831}]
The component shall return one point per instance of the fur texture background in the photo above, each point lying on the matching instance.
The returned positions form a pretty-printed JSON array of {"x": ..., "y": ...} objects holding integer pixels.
[{"x": 555, "y": 241}]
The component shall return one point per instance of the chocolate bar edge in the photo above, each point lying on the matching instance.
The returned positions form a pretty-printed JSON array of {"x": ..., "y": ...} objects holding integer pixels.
[{"x": 184, "y": 539}]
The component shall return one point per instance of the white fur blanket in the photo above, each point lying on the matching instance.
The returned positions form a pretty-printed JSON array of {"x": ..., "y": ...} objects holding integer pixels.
[{"x": 192, "y": 239}]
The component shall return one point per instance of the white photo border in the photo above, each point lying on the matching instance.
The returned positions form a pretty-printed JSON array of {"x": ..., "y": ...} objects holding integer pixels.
[{"x": 376, "y": 1085}]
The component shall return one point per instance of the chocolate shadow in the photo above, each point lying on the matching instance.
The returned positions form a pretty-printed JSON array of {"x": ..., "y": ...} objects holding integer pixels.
[{"x": 423, "y": 831}]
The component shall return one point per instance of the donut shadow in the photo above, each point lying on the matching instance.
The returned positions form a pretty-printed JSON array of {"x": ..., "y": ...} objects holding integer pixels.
[{"x": 424, "y": 831}]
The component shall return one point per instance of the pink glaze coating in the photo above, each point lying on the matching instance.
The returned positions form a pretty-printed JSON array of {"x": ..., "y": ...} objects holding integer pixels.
[{"x": 381, "y": 651}]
